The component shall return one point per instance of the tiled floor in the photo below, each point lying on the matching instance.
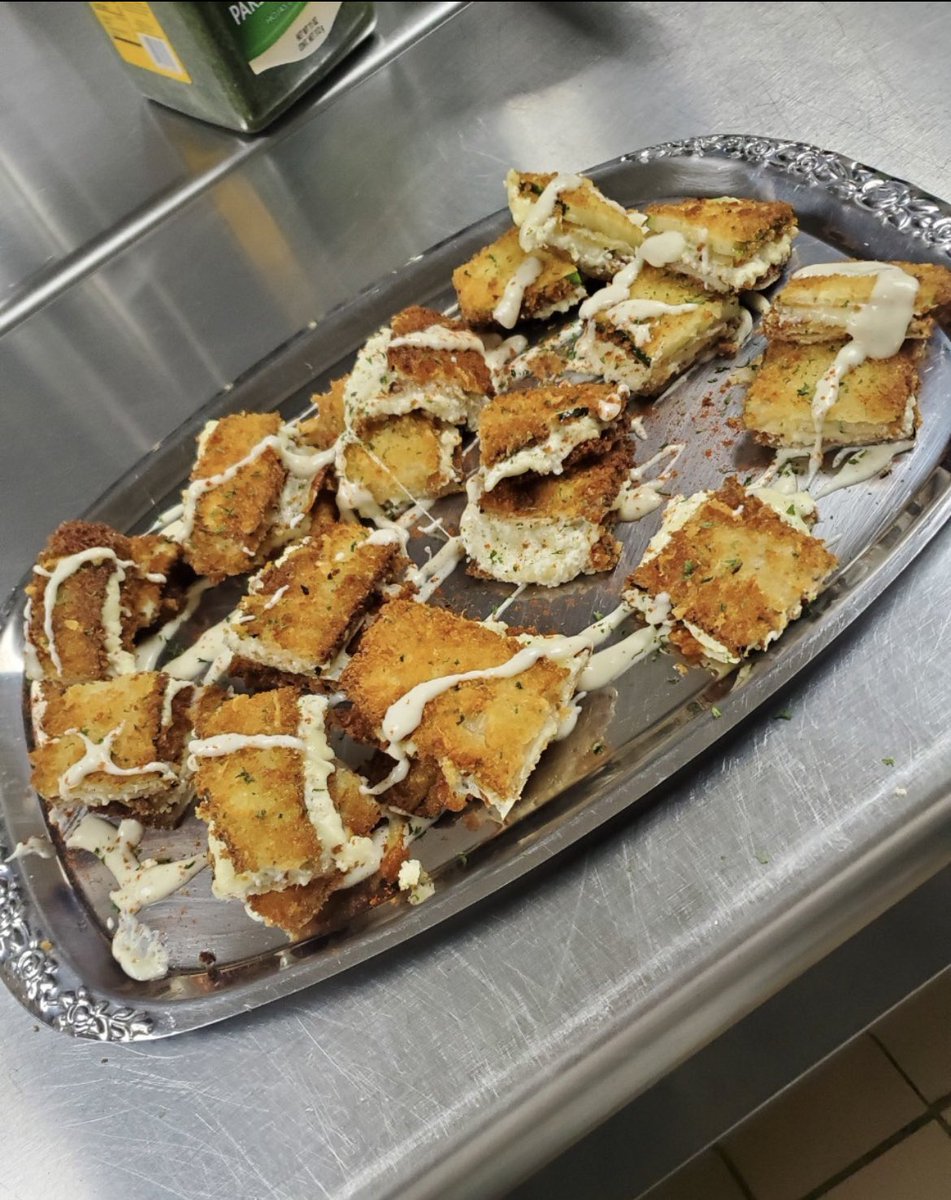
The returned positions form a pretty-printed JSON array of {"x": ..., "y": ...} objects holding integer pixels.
[{"x": 871, "y": 1123}]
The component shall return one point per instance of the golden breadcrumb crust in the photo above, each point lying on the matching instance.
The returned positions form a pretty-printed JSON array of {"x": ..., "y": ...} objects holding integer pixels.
[
  {"x": 516, "y": 420},
  {"x": 872, "y": 402},
  {"x": 326, "y": 583},
  {"x": 483, "y": 728},
  {"x": 400, "y": 459},
  {"x": 253, "y": 796},
  {"x": 296, "y": 909},
  {"x": 818, "y": 307},
  {"x": 587, "y": 490},
  {"x": 327, "y": 424},
  {"x": 730, "y": 225},
  {"x": 233, "y": 519},
  {"x": 131, "y": 704},
  {"x": 77, "y": 622},
  {"x": 480, "y": 283},
  {"x": 736, "y": 570},
  {"x": 464, "y": 370}
]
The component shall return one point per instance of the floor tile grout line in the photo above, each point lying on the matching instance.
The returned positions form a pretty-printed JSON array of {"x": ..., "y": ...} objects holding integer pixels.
[
  {"x": 935, "y": 1108},
  {"x": 734, "y": 1170},
  {"x": 870, "y": 1156}
]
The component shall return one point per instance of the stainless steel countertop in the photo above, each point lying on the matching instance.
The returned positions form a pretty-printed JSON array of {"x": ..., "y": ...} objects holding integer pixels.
[{"x": 450, "y": 1067}]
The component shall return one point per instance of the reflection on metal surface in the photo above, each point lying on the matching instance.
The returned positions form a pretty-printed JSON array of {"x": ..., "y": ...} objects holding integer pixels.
[
  {"x": 655, "y": 721},
  {"x": 68, "y": 215}
]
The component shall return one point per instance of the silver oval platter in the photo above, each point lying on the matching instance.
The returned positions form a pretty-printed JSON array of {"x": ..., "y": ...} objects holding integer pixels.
[{"x": 631, "y": 736}]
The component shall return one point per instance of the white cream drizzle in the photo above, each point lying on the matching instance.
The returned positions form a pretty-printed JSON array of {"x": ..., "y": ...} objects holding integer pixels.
[
  {"x": 172, "y": 688},
  {"x": 877, "y": 330},
  {"x": 219, "y": 745},
  {"x": 135, "y": 947},
  {"x": 274, "y": 599},
  {"x": 607, "y": 665},
  {"x": 41, "y": 846},
  {"x": 204, "y": 656},
  {"x": 498, "y": 353},
  {"x": 97, "y": 757},
  {"x": 301, "y": 464},
  {"x": 509, "y": 306},
  {"x": 433, "y": 573},
  {"x": 120, "y": 660},
  {"x": 509, "y": 600},
  {"x": 149, "y": 651},
  {"x": 404, "y": 715},
  {"x": 639, "y": 497},
  {"x": 659, "y": 250},
  {"x": 533, "y": 231},
  {"x": 438, "y": 337},
  {"x": 860, "y": 465},
  {"x": 31, "y": 663}
]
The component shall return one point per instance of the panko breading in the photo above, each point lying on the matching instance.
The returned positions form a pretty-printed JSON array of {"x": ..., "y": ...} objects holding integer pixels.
[
  {"x": 105, "y": 588},
  {"x": 569, "y": 213},
  {"x": 327, "y": 424},
  {"x": 301, "y": 610},
  {"x": 252, "y": 489},
  {"x": 295, "y": 909},
  {"x": 548, "y": 529},
  {"x": 486, "y": 734},
  {"x": 546, "y": 429},
  {"x": 420, "y": 361},
  {"x": 639, "y": 341},
  {"x": 817, "y": 308},
  {"x": 116, "y": 744},
  {"x": 491, "y": 290},
  {"x": 736, "y": 571},
  {"x": 263, "y": 771},
  {"x": 231, "y": 520},
  {"x": 731, "y": 243},
  {"x": 396, "y": 461},
  {"x": 876, "y": 401}
]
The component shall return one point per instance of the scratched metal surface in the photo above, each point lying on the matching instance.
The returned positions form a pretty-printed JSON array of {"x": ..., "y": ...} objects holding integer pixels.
[{"x": 449, "y": 1068}]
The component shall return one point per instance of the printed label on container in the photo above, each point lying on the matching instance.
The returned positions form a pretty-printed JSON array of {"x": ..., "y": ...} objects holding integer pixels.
[
  {"x": 137, "y": 37},
  {"x": 273, "y": 34}
]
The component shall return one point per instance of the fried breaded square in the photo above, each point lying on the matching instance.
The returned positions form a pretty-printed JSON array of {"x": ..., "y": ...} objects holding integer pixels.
[
  {"x": 114, "y": 743},
  {"x": 546, "y": 429},
  {"x": 818, "y": 307},
  {"x": 105, "y": 588},
  {"x": 569, "y": 213},
  {"x": 491, "y": 290},
  {"x": 253, "y": 488},
  {"x": 420, "y": 361},
  {"x": 252, "y": 797},
  {"x": 731, "y": 243},
  {"x": 396, "y": 461},
  {"x": 548, "y": 529},
  {"x": 641, "y": 343},
  {"x": 301, "y": 610},
  {"x": 876, "y": 402},
  {"x": 295, "y": 909},
  {"x": 484, "y": 734},
  {"x": 265, "y": 776},
  {"x": 230, "y": 521},
  {"x": 735, "y": 570}
]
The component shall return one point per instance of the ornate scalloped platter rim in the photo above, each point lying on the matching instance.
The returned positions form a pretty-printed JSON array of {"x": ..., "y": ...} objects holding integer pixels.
[{"x": 52, "y": 990}]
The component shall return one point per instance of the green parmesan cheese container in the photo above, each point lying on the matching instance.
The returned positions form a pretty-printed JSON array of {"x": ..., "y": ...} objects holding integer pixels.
[{"x": 238, "y": 65}]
